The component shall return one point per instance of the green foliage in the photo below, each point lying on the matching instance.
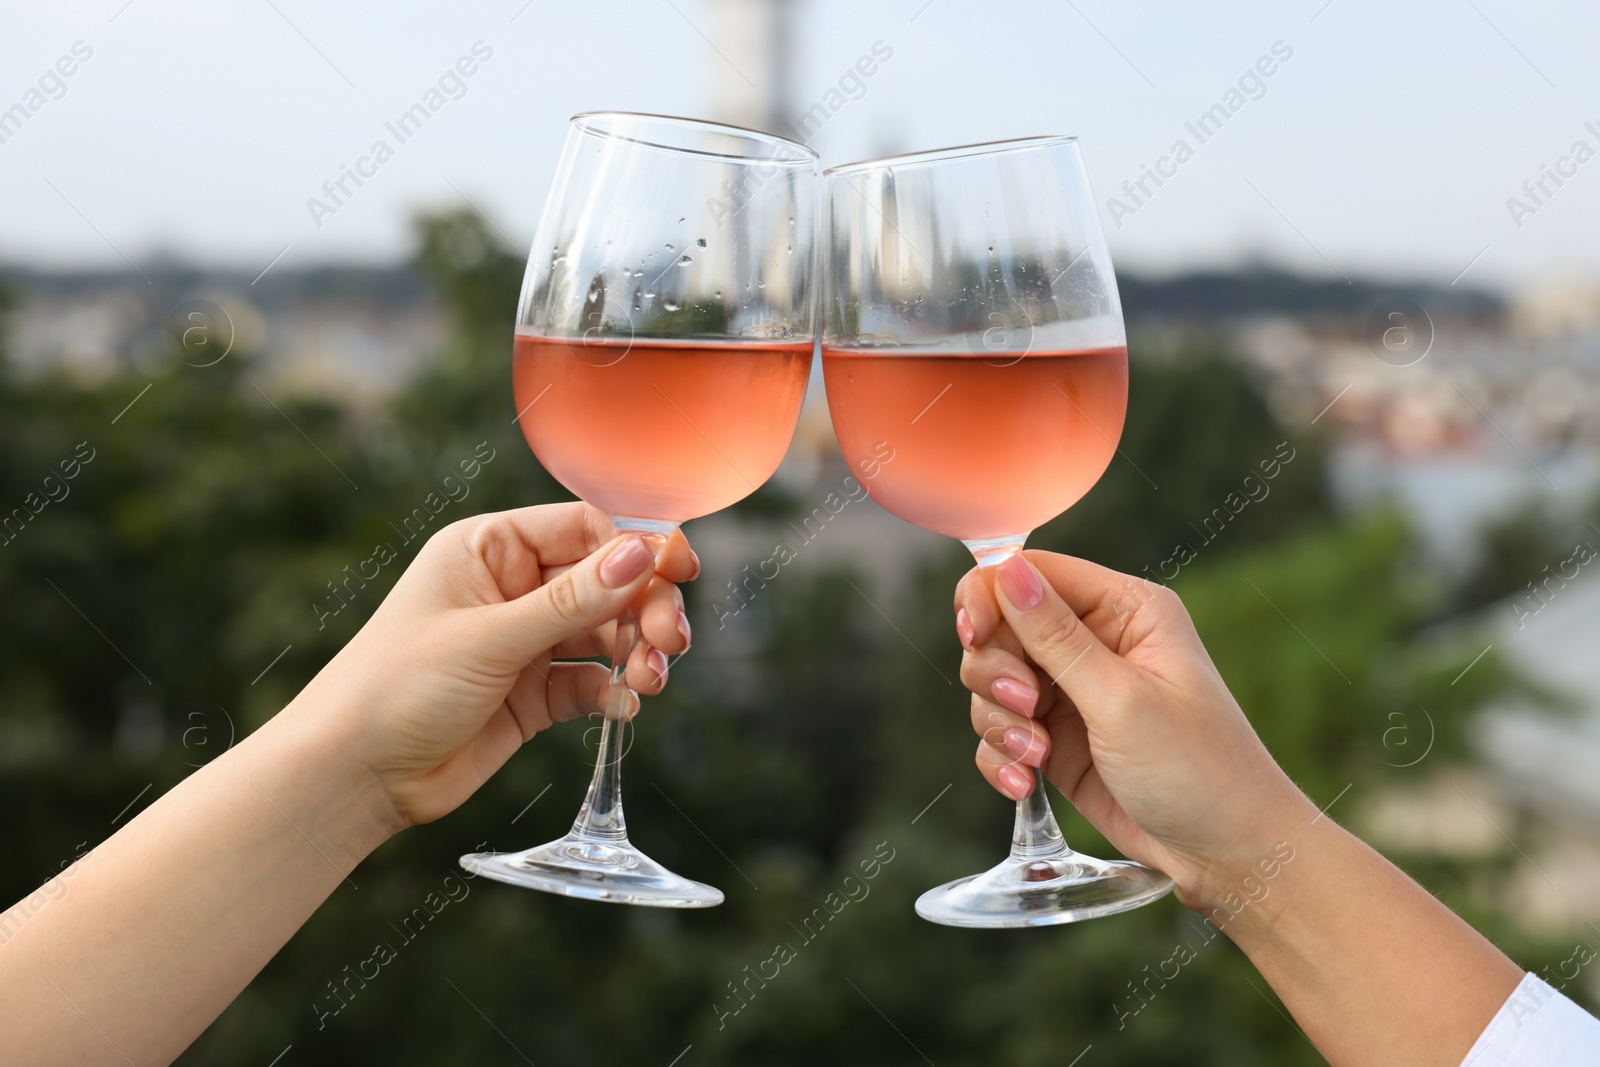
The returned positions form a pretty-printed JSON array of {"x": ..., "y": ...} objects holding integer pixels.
[{"x": 194, "y": 549}]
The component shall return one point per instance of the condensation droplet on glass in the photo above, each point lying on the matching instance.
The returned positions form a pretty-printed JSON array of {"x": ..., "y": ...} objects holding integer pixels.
[
  {"x": 717, "y": 295},
  {"x": 790, "y": 250},
  {"x": 791, "y": 220},
  {"x": 685, "y": 259},
  {"x": 649, "y": 294},
  {"x": 701, "y": 242},
  {"x": 670, "y": 303}
]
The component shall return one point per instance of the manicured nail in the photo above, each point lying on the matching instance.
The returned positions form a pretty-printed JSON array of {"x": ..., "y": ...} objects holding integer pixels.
[
  {"x": 964, "y": 629},
  {"x": 1021, "y": 584},
  {"x": 1023, "y": 745},
  {"x": 626, "y": 562},
  {"x": 1014, "y": 783},
  {"x": 683, "y": 628},
  {"x": 696, "y": 559},
  {"x": 657, "y": 661},
  {"x": 1010, "y": 693}
]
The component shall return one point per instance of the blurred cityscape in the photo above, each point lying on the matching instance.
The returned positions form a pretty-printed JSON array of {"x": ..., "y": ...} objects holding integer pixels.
[
  {"x": 1433, "y": 553},
  {"x": 1463, "y": 408}
]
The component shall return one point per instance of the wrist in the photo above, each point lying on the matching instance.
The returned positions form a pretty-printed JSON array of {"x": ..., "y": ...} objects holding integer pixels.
[
  {"x": 311, "y": 762},
  {"x": 1246, "y": 880}
]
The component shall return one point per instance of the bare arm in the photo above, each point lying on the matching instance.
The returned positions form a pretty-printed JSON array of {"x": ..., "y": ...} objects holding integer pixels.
[
  {"x": 1141, "y": 734},
  {"x": 127, "y": 956}
]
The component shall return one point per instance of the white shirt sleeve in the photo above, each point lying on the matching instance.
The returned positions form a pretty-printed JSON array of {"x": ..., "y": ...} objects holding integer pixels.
[{"x": 1537, "y": 1027}]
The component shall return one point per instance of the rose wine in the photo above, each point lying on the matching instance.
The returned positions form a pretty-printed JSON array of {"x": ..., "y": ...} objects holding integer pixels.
[
  {"x": 981, "y": 448},
  {"x": 659, "y": 429}
]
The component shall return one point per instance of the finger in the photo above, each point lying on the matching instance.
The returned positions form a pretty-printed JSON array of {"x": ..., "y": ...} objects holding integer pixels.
[
  {"x": 662, "y": 620},
  {"x": 1055, "y": 638},
  {"x": 977, "y": 614},
  {"x": 1011, "y": 781},
  {"x": 1004, "y": 678},
  {"x": 518, "y": 545},
  {"x": 1123, "y": 611},
  {"x": 590, "y": 643},
  {"x": 555, "y": 692},
  {"x": 591, "y": 593},
  {"x": 1070, "y": 757},
  {"x": 1022, "y": 740},
  {"x": 647, "y": 669},
  {"x": 676, "y": 561}
]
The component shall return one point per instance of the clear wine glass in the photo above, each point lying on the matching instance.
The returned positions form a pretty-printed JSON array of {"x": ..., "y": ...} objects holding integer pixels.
[
  {"x": 973, "y": 333},
  {"x": 664, "y": 340}
]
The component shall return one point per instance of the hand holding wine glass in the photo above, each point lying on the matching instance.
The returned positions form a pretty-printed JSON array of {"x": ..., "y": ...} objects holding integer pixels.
[
  {"x": 461, "y": 663},
  {"x": 664, "y": 340},
  {"x": 974, "y": 327},
  {"x": 1100, "y": 679}
]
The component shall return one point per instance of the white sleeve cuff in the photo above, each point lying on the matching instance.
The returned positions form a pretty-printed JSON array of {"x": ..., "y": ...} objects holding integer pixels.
[{"x": 1537, "y": 1027}]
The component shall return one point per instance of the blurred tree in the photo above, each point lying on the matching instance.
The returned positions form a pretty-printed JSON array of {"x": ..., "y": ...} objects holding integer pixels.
[{"x": 178, "y": 593}]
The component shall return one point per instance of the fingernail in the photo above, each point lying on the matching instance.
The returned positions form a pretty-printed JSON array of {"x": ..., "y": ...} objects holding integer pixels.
[
  {"x": 1014, "y": 783},
  {"x": 626, "y": 562},
  {"x": 696, "y": 559},
  {"x": 683, "y": 628},
  {"x": 1010, "y": 693},
  {"x": 1021, "y": 584},
  {"x": 657, "y": 661},
  {"x": 1023, "y": 745},
  {"x": 964, "y": 629}
]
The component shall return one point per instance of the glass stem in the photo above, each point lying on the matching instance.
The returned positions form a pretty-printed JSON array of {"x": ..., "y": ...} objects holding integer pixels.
[
  {"x": 1036, "y": 834},
  {"x": 601, "y": 819}
]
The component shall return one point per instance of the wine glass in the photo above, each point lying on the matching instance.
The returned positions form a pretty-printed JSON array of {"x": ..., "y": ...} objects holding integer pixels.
[
  {"x": 664, "y": 340},
  {"x": 973, "y": 332}
]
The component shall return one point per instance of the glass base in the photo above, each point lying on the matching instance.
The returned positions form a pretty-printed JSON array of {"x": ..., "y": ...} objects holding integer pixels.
[
  {"x": 1043, "y": 892},
  {"x": 613, "y": 871}
]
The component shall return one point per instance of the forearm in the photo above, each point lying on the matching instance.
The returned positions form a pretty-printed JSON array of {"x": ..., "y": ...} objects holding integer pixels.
[
  {"x": 143, "y": 944},
  {"x": 1375, "y": 970}
]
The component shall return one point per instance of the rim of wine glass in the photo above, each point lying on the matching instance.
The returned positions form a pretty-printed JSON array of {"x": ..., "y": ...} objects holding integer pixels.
[
  {"x": 965, "y": 151},
  {"x": 789, "y": 152}
]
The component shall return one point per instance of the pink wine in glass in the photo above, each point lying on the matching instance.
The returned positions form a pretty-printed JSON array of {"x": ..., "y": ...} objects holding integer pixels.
[
  {"x": 668, "y": 430},
  {"x": 982, "y": 448}
]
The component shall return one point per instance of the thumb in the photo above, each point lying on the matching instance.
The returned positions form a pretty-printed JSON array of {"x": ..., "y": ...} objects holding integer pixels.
[
  {"x": 594, "y": 591},
  {"x": 1057, "y": 640}
]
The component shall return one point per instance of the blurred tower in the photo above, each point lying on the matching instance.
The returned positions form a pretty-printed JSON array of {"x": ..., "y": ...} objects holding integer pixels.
[{"x": 752, "y": 84}]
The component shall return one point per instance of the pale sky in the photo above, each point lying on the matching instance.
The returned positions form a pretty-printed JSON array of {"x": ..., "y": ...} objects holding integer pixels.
[{"x": 1388, "y": 143}]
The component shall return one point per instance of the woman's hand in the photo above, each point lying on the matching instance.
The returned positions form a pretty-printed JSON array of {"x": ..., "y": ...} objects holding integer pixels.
[
  {"x": 1125, "y": 713},
  {"x": 455, "y": 670}
]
